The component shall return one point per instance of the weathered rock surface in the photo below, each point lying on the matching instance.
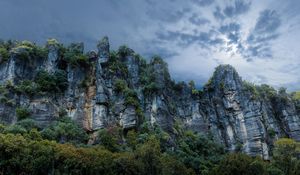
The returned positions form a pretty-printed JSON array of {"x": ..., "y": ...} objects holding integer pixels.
[{"x": 236, "y": 116}]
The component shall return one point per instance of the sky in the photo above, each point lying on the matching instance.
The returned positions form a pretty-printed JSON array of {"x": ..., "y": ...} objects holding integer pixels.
[{"x": 260, "y": 38}]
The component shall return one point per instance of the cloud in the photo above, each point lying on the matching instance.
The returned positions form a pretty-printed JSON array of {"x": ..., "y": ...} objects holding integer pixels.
[
  {"x": 203, "y": 2},
  {"x": 236, "y": 8},
  {"x": 196, "y": 20},
  {"x": 203, "y": 39},
  {"x": 268, "y": 22},
  {"x": 218, "y": 14},
  {"x": 264, "y": 32},
  {"x": 239, "y": 7},
  {"x": 232, "y": 32}
]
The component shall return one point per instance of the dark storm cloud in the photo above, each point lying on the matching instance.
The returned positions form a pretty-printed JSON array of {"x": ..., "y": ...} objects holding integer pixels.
[{"x": 264, "y": 31}]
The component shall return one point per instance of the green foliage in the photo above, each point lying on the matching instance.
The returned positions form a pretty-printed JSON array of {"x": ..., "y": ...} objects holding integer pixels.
[
  {"x": 266, "y": 91},
  {"x": 285, "y": 155},
  {"x": 271, "y": 133},
  {"x": 151, "y": 88},
  {"x": 27, "y": 87},
  {"x": 149, "y": 155},
  {"x": 5, "y": 95},
  {"x": 52, "y": 42},
  {"x": 296, "y": 95},
  {"x": 179, "y": 86},
  {"x": 75, "y": 57},
  {"x": 51, "y": 82},
  {"x": 22, "y": 155},
  {"x": 237, "y": 164},
  {"x": 274, "y": 171},
  {"x": 65, "y": 130},
  {"x": 198, "y": 152},
  {"x": 157, "y": 60},
  {"x": 110, "y": 138},
  {"x": 4, "y": 54},
  {"x": 26, "y": 50},
  {"x": 120, "y": 85},
  {"x": 25, "y": 152},
  {"x": 124, "y": 51},
  {"x": 131, "y": 98},
  {"x": 147, "y": 80},
  {"x": 22, "y": 113},
  {"x": 15, "y": 129},
  {"x": 196, "y": 92},
  {"x": 116, "y": 66},
  {"x": 247, "y": 86}
]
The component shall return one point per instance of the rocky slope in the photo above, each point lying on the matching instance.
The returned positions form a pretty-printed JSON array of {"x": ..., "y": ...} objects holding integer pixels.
[{"x": 106, "y": 88}]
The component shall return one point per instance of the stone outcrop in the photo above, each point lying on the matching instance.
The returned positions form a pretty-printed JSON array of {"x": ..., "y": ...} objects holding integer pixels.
[{"x": 236, "y": 115}]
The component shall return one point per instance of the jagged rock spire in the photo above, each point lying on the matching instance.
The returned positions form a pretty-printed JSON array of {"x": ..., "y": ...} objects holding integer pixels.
[
  {"x": 103, "y": 49},
  {"x": 225, "y": 76},
  {"x": 53, "y": 55}
]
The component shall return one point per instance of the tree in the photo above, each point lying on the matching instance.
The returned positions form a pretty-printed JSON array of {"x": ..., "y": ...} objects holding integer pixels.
[
  {"x": 237, "y": 164},
  {"x": 285, "y": 155},
  {"x": 149, "y": 155}
]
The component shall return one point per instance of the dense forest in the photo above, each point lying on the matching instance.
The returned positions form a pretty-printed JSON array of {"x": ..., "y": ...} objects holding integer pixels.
[{"x": 26, "y": 149}]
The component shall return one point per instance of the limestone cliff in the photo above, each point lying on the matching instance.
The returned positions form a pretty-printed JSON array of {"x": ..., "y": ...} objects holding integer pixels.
[{"x": 105, "y": 88}]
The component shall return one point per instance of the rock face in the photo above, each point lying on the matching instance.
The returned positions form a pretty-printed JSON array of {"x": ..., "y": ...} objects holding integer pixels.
[{"x": 122, "y": 89}]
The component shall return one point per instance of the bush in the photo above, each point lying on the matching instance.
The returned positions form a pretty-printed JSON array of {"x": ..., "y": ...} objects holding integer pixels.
[
  {"x": 124, "y": 51},
  {"x": 131, "y": 98},
  {"x": 120, "y": 86},
  {"x": 27, "y": 87},
  {"x": 27, "y": 124},
  {"x": 15, "y": 129},
  {"x": 22, "y": 113},
  {"x": 26, "y": 50},
  {"x": 110, "y": 138},
  {"x": 285, "y": 155},
  {"x": 52, "y": 42},
  {"x": 198, "y": 152},
  {"x": 55, "y": 82},
  {"x": 4, "y": 54},
  {"x": 75, "y": 57},
  {"x": 271, "y": 133},
  {"x": 237, "y": 164},
  {"x": 65, "y": 130},
  {"x": 116, "y": 67}
]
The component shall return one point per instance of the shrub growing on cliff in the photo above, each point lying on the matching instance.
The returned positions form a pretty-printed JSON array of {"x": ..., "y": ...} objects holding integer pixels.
[
  {"x": 120, "y": 85},
  {"x": 27, "y": 87},
  {"x": 75, "y": 57},
  {"x": 22, "y": 113},
  {"x": 26, "y": 50},
  {"x": 116, "y": 67},
  {"x": 52, "y": 82},
  {"x": 4, "y": 54},
  {"x": 124, "y": 51}
]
